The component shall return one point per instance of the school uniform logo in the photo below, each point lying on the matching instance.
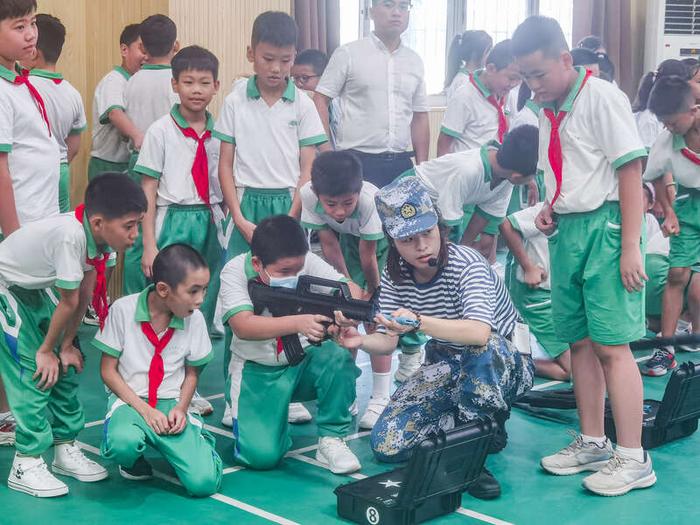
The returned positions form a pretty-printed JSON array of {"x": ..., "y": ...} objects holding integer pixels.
[{"x": 293, "y": 123}]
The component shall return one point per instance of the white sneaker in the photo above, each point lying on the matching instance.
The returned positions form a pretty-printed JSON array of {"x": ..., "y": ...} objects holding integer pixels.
[
  {"x": 336, "y": 456},
  {"x": 31, "y": 476},
  {"x": 227, "y": 419},
  {"x": 688, "y": 330},
  {"x": 7, "y": 429},
  {"x": 298, "y": 414},
  {"x": 69, "y": 460},
  {"x": 408, "y": 365},
  {"x": 375, "y": 407},
  {"x": 200, "y": 405},
  {"x": 579, "y": 456},
  {"x": 91, "y": 317},
  {"x": 354, "y": 410},
  {"x": 621, "y": 475}
]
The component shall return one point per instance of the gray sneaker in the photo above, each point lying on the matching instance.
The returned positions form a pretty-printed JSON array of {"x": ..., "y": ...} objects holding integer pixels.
[
  {"x": 621, "y": 475},
  {"x": 579, "y": 456}
]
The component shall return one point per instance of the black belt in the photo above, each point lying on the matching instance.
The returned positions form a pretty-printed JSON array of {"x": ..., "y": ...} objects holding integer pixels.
[{"x": 388, "y": 156}]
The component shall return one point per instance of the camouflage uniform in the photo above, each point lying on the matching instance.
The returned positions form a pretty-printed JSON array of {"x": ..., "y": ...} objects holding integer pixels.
[{"x": 450, "y": 389}]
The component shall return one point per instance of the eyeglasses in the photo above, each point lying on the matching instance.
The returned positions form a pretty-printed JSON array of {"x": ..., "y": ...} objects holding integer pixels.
[
  {"x": 303, "y": 79},
  {"x": 404, "y": 7}
]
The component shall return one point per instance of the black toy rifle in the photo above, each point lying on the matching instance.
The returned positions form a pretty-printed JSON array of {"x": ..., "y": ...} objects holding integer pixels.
[{"x": 313, "y": 295}]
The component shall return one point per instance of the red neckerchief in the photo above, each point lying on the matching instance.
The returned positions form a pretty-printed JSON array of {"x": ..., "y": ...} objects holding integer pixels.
[
  {"x": 556, "y": 159},
  {"x": 690, "y": 155},
  {"x": 23, "y": 78},
  {"x": 498, "y": 104},
  {"x": 99, "y": 263},
  {"x": 156, "y": 372},
  {"x": 200, "y": 166}
]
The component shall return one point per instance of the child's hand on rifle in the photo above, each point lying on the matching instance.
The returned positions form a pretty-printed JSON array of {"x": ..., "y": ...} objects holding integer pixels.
[{"x": 312, "y": 326}]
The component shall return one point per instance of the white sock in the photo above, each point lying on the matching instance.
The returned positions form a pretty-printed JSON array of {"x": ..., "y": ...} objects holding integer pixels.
[
  {"x": 599, "y": 441},
  {"x": 381, "y": 385},
  {"x": 636, "y": 454}
]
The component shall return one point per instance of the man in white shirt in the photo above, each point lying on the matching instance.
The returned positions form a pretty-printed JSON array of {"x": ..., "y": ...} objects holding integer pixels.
[{"x": 381, "y": 86}]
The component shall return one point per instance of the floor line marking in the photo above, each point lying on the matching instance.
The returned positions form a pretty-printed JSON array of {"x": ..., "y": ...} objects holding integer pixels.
[
  {"x": 215, "y": 396},
  {"x": 250, "y": 509},
  {"x": 94, "y": 423},
  {"x": 231, "y": 470},
  {"x": 219, "y": 431},
  {"x": 482, "y": 517}
]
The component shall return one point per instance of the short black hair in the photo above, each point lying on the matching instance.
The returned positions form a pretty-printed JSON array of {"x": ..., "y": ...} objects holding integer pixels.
[
  {"x": 336, "y": 173},
  {"x": 195, "y": 58},
  {"x": 315, "y": 58},
  {"x": 52, "y": 36},
  {"x": 158, "y": 34},
  {"x": 591, "y": 42},
  {"x": 130, "y": 34},
  {"x": 519, "y": 150},
  {"x": 501, "y": 55},
  {"x": 16, "y": 8},
  {"x": 539, "y": 33},
  {"x": 670, "y": 95},
  {"x": 277, "y": 237},
  {"x": 584, "y": 57},
  {"x": 114, "y": 195},
  {"x": 174, "y": 262},
  {"x": 275, "y": 28}
]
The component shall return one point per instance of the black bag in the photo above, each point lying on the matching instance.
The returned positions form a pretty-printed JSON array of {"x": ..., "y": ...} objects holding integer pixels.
[
  {"x": 675, "y": 416},
  {"x": 431, "y": 485}
]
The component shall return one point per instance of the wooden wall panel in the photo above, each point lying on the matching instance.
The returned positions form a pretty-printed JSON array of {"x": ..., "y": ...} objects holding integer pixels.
[{"x": 223, "y": 27}]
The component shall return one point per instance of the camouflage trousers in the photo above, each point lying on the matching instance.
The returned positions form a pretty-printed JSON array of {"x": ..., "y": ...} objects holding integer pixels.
[{"x": 450, "y": 389}]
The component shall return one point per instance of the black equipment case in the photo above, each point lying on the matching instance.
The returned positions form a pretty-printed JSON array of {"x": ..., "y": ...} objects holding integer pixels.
[
  {"x": 675, "y": 416},
  {"x": 431, "y": 485}
]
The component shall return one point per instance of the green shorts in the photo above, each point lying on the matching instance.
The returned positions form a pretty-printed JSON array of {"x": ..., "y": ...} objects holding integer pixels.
[
  {"x": 98, "y": 166},
  {"x": 460, "y": 226},
  {"x": 350, "y": 246},
  {"x": 133, "y": 159},
  {"x": 535, "y": 307},
  {"x": 520, "y": 199},
  {"x": 685, "y": 247},
  {"x": 64, "y": 188},
  {"x": 256, "y": 205},
  {"x": 588, "y": 298}
]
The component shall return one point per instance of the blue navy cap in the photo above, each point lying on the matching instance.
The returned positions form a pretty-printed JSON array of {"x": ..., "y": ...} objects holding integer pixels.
[{"x": 405, "y": 208}]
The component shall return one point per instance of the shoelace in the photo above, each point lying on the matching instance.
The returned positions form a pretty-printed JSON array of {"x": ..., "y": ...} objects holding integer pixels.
[
  {"x": 616, "y": 463},
  {"x": 77, "y": 455},
  {"x": 38, "y": 465},
  {"x": 576, "y": 444},
  {"x": 335, "y": 444},
  {"x": 658, "y": 358}
]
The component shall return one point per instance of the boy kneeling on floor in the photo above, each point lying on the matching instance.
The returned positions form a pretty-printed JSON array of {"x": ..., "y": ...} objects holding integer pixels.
[
  {"x": 262, "y": 384},
  {"x": 154, "y": 345}
]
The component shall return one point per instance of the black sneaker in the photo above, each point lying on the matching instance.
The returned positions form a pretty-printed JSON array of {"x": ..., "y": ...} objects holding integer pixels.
[
  {"x": 659, "y": 363},
  {"x": 140, "y": 471},
  {"x": 500, "y": 436},
  {"x": 486, "y": 486}
]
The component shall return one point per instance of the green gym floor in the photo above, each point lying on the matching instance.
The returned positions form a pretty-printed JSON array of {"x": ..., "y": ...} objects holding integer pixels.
[{"x": 300, "y": 491}]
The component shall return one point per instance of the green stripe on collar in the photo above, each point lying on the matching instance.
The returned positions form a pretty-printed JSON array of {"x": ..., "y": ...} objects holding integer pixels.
[
  {"x": 571, "y": 97},
  {"x": 8, "y": 74},
  {"x": 156, "y": 66},
  {"x": 679, "y": 142},
  {"x": 477, "y": 80},
  {"x": 180, "y": 120},
  {"x": 484, "y": 153},
  {"x": 123, "y": 72},
  {"x": 252, "y": 90},
  {"x": 45, "y": 74},
  {"x": 142, "y": 313}
]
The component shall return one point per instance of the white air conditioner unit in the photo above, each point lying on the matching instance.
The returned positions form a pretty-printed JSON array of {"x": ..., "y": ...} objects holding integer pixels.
[{"x": 673, "y": 31}]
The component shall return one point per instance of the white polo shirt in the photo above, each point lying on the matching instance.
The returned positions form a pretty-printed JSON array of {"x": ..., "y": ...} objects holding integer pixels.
[
  {"x": 167, "y": 155},
  {"x": 465, "y": 178},
  {"x": 535, "y": 242},
  {"x": 649, "y": 127},
  {"x": 149, "y": 95},
  {"x": 470, "y": 118},
  {"x": 268, "y": 139},
  {"x": 49, "y": 252},
  {"x": 63, "y": 105},
  {"x": 657, "y": 243},
  {"x": 33, "y": 155},
  {"x": 379, "y": 92},
  {"x": 598, "y": 136},
  {"x": 234, "y": 299},
  {"x": 364, "y": 222},
  {"x": 107, "y": 142},
  {"x": 528, "y": 116},
  {"x": 460, "y": 79},
  {"x": 123, "y": 338},
  {"x": 665, "y": 156}
]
